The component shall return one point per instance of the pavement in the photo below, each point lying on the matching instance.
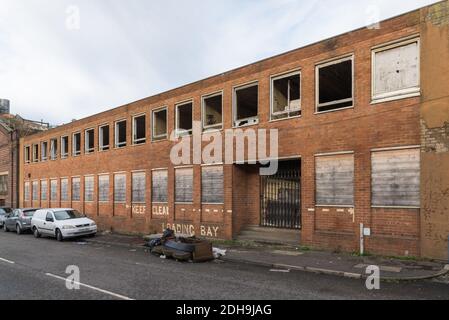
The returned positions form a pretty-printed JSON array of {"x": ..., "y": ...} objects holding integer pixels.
[
  {"x": 321, "y": 262},
  {"x": 37, "y": 269}
]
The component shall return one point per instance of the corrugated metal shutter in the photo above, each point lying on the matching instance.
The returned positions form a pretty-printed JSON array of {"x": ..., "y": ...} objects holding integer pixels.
[
  {"x": 335, "y": 180},
  {"x": 64, "y": 189},
  {"x": 103, "y": 188},
  {"x": 396, "y": 178},
  {"x": 76, "y": 189},
  {"x": 184, "y": 185},
  {"x": 89, "y": 189},
  {"x": 120, "y": 188},
  {"x": 139, "y": 187},
  {"x": 160, "y": 186},
  {"x": 212, "y": 185}
]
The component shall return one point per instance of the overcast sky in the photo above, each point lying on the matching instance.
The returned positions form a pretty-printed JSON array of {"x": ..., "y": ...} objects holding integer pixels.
[{"x": 61, "y": 60}]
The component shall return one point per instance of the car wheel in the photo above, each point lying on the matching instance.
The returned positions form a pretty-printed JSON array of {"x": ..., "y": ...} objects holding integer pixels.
[
  {"x": 36, "y": 233},
  {"x": 18, "y": 229},
  {"x": 59, "y": 236}
]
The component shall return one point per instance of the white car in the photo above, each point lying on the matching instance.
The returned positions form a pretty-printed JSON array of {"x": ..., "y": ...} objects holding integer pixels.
[{"x": 62, "y": 224}]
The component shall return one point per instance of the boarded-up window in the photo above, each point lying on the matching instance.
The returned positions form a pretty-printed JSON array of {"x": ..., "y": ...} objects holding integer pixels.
[
  {"x": 212, "y": 185},
  {"x": 4, "y": 185},
  {"x": 396, "y": 70},
  {"x": 76, "y": 189},
  {"x": 184, "y": 185},
  {"x": 160, "y": 186},
  {"x": 53, "y": 190},
  {"x": 44, "y": 190},
  {"x": 27, "y": 191},
  {"x": 139, "y": 187},
  {"x": 120, "y": 188},
  {"x": 89, "y": 189},
  {"x": 65, "y": 189},
  {"x": 35, "y": 190},
  {"x": 396, "y": 178},
  {"x": 103, "y": 188},
  {"x": 335, "y": 180}
]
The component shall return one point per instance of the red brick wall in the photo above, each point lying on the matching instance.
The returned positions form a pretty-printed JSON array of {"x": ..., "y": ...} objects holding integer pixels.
[{"x": 359, "y": 129}]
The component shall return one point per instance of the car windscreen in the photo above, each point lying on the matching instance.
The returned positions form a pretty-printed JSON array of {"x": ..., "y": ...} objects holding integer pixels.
[
  {"x": 68, "y": 214},
  {"x": 29, "y": 213},
  {"x": 4, "y": 211}
]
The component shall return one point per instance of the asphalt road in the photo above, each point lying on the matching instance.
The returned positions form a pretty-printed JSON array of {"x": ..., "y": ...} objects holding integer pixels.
[{"x": 35, "y": 269}]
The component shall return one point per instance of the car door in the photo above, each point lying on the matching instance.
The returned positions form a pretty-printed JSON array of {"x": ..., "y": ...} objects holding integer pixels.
[
  {"x": 49, "y": 223},
  {"x": 12, "y": 219}
]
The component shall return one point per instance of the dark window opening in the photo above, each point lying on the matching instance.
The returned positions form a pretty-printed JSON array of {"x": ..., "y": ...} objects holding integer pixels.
[
  {"x": 213, "y": 112},
  {"x": 44, "y": 151},
  {"x": 139, "y": 130},
  {"x": 53, "y": 149},
  {"x": 160, "y": 124},
  {"x": 335, "y": 86},
  {"x": 120, "y": 134},
  {"x": 104, "y": 138},
  {"x": 35, "y": 153},
  {"x": 184, "y": 118},
  {"x": 27, "y": 154},
  {"x": 76, "y": 144},
  {"x": 286, "y": 97},
  {"x": 246, "y": 105},
  {"x": 64, "y": 147},
  {"x": 90, "y": 141}
]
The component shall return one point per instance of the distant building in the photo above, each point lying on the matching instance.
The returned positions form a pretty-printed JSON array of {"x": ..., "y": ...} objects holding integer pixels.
[{"x": 12, "y": 128}]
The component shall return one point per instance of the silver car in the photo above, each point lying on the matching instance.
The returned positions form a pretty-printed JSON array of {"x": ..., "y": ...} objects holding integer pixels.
[
  {"x": 19, "y": 220},
  {"x": 4, "y": 212}
]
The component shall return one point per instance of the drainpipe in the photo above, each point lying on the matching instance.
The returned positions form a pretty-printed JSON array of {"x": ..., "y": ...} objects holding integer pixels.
[{"x": 362, "y": 240}]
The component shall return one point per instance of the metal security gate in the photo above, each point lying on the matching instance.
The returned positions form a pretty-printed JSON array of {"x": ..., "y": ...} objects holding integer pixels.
[{"x": 281, "y": 197}]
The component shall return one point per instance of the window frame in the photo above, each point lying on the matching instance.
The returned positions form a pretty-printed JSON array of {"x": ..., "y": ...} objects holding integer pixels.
[
  {"x": 215, "y": 127},
  {"x": 117, "y": 144},
  {"x": 43, "y": 196},
  {"x": 53, "y": 148},
  {"x": 108, "y": 190},
  {"x": 193, "y": 184},
  {"x": 34, "y": 152},
  {"x": 280, "y": 76},
  {"x": 27, "y": 191},
  {"x": 66, "y": 145},
  {"x": 72, "y": 194},
  {"x": 399, "y": 94},
  {"x": 86, "y": 178},
  {"x": 27, "y": 156},
  {"x": 140, "y": 141},
  {"x": 64, "y": 197},
  {"x": 152, "y": 186},
  {"x": 162, "y": 137},
  {"x": 43, "y": 159},
  {"x": 88, "y": 150},
  {"x": 177, "y": 118},
  {"x": 255, "y": 119},
  {"x": 223, "y": 185},
  {"x": 102, "y": 147},
  {"x": 115, "y": 184},
  {"x": 51, "y": 199},
  {"x": 327, "y": 63},
  {"x": 74, "y": 153},
  {"x": 134, "y": 173}
]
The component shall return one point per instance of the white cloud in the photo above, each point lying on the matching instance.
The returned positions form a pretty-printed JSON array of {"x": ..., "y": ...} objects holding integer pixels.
[{"x": 128, "y": 50}]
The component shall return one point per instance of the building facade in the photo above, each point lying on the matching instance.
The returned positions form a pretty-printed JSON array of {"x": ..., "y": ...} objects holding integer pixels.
[{"x": 347, "y": 112}]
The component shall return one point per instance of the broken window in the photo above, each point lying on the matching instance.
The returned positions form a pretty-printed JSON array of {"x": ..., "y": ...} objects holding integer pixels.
[
  {"x": 44, "y": 190},
  {"x": 104, "y": 138},
  {"x": 120, "y": 188},
  {"x": 213, "y": 111},
  {"x": 184, "y": 118},
  {"x": 89, "y": 141},
  {"x": 246, "y": 105},
  {"x": 184, "y": 185},
  {"x": 212, "y": 180},
  {"x": 64, "y": 147},
  {"x": 44, "y": 151},
  {"x": 335, "y": 180},
  {"x": 160, "y": 124},
  {"x": 76, "y": 144},
  {"x": 160, "y": 186},
  {"x": 335, "y": 85},
  {"x": 26, "y": 192},
  {"x": 76, "y": 189},
  {"x": 139, "y": 187},
  {"x": 396, "y": 71},
  {"x": 35, "y": 153},
  {"x": 65, "y": 189},
  {"x": 286, "y": 96},
  {"x": 103, "y": 188},
  {"x": 396, "y": 178},
  {"x": 139, "y": 129},
  {"x": 27, "y": 154},
  {"x": 89, "y": 189},
  {"x": 120, "y": 134},
  {"x": 53, "y": 149},
  {"x": 53, "y": 190},
  {"x": 35, "y": 190}
]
